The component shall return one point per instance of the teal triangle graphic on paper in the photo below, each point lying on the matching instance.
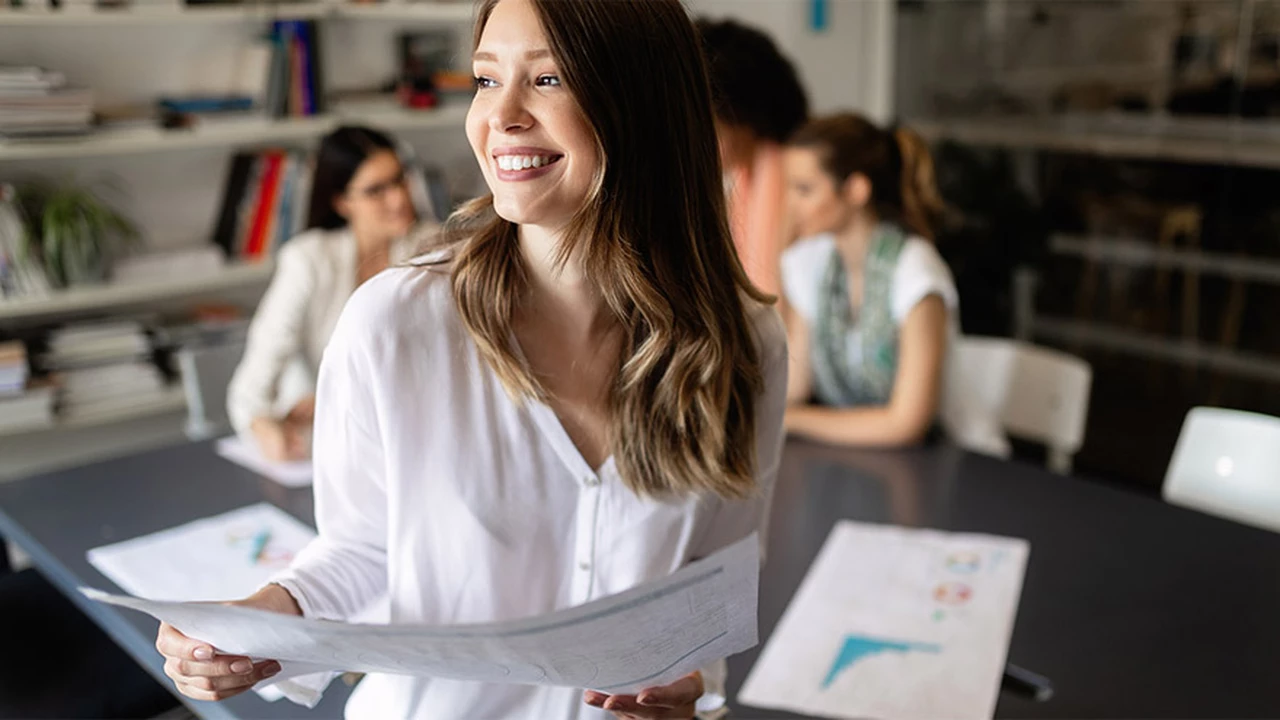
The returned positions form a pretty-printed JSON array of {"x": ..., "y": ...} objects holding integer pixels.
[{"x": 858, "y": 647}]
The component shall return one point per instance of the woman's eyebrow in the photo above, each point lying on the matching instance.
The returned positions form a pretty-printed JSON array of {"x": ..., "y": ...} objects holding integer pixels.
[{"x": 530, "y": 55}]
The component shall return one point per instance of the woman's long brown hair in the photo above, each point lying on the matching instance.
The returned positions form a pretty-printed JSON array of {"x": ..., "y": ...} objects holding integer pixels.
[{"x": 654, "y": 236}]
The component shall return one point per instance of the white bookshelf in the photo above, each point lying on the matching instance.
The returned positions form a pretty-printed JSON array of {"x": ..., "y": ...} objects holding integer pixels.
[
  {"x": 112, "y": 296},
  {"x": 236, "y": 133},
  {"x": 171, "y": 179},
  {"x": 419, "y": 12}
]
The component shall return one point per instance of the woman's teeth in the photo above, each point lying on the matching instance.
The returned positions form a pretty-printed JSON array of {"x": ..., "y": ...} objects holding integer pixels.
[{"x": 523, "y": 162}]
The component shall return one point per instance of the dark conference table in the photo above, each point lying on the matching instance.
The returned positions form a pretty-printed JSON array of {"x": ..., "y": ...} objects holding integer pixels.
[{"x": 1133, "y": 608}]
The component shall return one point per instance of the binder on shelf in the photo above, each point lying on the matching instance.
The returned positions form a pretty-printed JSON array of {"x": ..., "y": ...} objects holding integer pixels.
[
  {"x": 264, "y": 203},
  {"x": 295, "y": 84}
]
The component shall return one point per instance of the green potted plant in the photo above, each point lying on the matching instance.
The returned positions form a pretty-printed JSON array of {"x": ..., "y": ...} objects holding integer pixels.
[{"x": 74, "y": 233}]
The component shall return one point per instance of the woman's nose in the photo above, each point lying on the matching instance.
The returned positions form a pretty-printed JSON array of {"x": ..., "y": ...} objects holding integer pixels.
[{"x": 510, "y": 113}]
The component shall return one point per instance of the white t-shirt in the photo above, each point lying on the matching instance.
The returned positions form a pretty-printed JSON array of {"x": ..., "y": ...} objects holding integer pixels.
[
  {"x": 921, "y": 272},
  {"x": 434, "y": 488}
]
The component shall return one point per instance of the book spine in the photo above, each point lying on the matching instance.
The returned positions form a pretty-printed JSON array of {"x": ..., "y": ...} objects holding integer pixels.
[{"x": 266, "y": 204}]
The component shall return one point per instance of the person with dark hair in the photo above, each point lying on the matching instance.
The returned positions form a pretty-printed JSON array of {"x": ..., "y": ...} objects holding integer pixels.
[
  {"x": 759, "y": 102},
  {"x": 871, "y": 306},
  {"x": 359, "y": 219},
  {"x": 579, "y": 392}
]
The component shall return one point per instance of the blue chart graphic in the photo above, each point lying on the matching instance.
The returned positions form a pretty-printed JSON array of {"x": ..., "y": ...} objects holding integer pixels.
[{"x": 857, "y": 647}]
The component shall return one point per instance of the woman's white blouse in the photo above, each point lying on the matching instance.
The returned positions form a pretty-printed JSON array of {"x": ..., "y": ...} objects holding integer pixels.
[{"x": 435, "y": 489}]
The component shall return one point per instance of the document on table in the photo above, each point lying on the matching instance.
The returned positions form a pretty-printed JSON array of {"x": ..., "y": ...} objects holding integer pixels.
[
  {"x": 895, "y": 624},
  {"x": 649, "y": 635},
  {"x": 222, "y": 557},
  {"x": 295, "y": 474}
]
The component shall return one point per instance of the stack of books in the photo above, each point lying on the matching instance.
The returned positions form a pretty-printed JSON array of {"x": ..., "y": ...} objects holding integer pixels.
[
  {"x": 37, "y": 103},
  {"x": 104, "y": 369},
  {"x": 24, "y": 405}
]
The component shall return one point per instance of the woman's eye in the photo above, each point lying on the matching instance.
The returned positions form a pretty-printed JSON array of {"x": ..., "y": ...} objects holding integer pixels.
[
  {"x": 484, "y": 82},
  {"x": 547, "y": 81}
]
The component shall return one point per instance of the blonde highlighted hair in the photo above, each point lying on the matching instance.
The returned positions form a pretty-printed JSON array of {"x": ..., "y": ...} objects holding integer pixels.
[{"x": 654, "y": 236}]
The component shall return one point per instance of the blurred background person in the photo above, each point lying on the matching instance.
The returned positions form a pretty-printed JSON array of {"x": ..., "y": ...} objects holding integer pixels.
[
  {"x": 759, "y": 102},
  {"x": 871, "y": 306},
  {"x": 359, "y": 220}
]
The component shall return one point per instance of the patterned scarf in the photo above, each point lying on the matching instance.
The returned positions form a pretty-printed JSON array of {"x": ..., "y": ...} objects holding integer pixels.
[{"x": 838, "y": 381}]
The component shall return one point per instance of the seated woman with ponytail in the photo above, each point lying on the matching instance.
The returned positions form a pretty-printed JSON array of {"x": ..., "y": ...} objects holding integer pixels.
[{"x": 871, "y": 306}]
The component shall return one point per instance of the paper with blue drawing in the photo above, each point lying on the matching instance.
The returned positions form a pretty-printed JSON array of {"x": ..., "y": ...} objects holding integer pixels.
[
  {"x": 646, "y": 636},
  {"x": 895, "y": 624}
]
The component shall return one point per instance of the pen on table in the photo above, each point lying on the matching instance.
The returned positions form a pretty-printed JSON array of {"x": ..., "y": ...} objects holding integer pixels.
[
  {"x": 259, "y": 545},
  {"x": 1021, "y": 680}
]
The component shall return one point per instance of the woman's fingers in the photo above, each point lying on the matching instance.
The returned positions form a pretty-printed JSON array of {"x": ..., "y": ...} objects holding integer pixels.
[
  {"x": 210, "y": 687},
  {"x": 173, "y": 644},
  {"x": 682, "y": 692},
  {"x": 201, "y": 673}
]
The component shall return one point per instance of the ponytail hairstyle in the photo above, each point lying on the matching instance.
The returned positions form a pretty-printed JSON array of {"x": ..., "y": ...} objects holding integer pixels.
[
  {"x": 654, "y": 235},
  {"x": 896, "y": 162}
]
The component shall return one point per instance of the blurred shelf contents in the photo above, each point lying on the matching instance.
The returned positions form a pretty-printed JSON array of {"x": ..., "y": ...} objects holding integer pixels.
[
  {"x": 170, "y": 12},
  {"x": 35, "y": 103},
  {"x": 264, "y": 203},
  {"x": 24, "y": 405}
]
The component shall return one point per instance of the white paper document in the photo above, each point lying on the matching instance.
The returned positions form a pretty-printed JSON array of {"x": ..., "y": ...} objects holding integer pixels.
[
  {"x": 895, "y": 624},
  {"x": 649, "y": 635},
  {"x": 217, "y": 558},
  {"x": 295, "y": 474}
]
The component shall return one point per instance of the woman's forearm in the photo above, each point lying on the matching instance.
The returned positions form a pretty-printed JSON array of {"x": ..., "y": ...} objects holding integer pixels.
[
  {"x": 274, "y": 598},
  {"x": 873, "y": 426}
]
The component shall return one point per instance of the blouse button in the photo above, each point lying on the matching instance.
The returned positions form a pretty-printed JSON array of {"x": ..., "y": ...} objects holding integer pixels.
[
  {"x": 584, "y": 565},
  {"x": 591, "y": 481}
]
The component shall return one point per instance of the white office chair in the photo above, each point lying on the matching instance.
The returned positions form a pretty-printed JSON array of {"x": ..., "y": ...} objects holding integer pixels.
[
  {"x": 1029, "y": 391},
  {"x": 1227, "y": 463}
]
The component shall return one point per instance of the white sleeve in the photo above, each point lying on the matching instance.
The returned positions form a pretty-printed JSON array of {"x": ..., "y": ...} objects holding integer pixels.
[
  {"x": 921, "y": 272},
  {"x": 344, "y": 570},
  {"x": 802, "y": 267},
  {"x": 275, "y": 338},
  {"x": 736, "y": 519}
]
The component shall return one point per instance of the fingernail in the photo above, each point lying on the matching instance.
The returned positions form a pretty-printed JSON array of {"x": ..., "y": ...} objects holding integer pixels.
[
  {"x": 241, "y": 667},
  {"x": 203, "y": 653},
  {"x": 645, "y": 700},
  {"x": 271, "y": 669}
]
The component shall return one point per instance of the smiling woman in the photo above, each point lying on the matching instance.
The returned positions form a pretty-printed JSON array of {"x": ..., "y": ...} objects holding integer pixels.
[{"x": 580, "y": 392}]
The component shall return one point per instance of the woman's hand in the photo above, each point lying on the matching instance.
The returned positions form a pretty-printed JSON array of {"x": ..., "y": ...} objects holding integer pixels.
[
  {"x": 668, "y": 702},
  {"x": 282, "y": 440},
  {"x": 202, "y": 673},
  {"x": 303, "y": 413}
]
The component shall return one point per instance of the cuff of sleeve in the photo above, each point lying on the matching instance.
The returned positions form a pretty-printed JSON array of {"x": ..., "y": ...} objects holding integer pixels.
[
  {"x": 289, "y": 581},
  {"x": 304, "y": 690},
  {"x": 714, "y": 702}
]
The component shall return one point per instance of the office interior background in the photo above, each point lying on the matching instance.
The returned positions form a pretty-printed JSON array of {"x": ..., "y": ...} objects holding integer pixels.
[{"x": 1111, "y": 170}]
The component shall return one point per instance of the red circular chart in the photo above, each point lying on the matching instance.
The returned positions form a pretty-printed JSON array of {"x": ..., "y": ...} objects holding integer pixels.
[{"x": 952, "y": 593}]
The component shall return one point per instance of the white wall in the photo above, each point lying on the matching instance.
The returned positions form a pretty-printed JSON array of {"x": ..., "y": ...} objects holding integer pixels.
[{"x": 847, "y": 66}]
